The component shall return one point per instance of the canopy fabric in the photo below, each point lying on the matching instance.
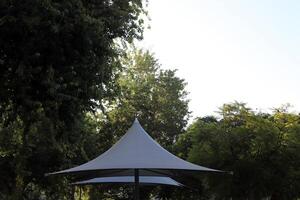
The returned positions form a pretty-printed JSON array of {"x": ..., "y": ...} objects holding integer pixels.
[
  {"x": 135, "y": 150},
  {"x": 143, "y": 180}
]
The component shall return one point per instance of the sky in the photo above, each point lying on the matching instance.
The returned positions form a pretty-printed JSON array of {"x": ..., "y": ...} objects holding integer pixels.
[{"x": 233, "y": 50}]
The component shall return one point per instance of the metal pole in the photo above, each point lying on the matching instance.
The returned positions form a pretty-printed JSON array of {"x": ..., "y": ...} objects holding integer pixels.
[
  {"x": 79, "y": 192},
  {"x": 73, "y": 192},
  {"x": 136, "y": 185}
]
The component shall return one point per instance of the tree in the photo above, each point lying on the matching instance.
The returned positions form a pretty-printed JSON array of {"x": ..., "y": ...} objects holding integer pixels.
[
  {"x": 58, "y": 60},
  {"x": 261, "y": 149},
  {"x": 156, "y": 96}
]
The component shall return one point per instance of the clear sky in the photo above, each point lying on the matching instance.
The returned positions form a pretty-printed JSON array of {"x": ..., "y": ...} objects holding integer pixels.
[{"x": 227, "y": 50}]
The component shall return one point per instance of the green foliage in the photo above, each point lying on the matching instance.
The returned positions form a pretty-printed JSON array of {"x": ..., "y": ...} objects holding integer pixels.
[
  {"x": 58, "y": 60},
  {"x": 261, "y": 149},
  {"x": 67, "y": 93},
  {"x": 157, "y": 96}
]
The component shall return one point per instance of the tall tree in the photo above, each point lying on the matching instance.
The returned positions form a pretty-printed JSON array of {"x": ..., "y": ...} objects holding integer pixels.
[
  {"x": 57, "y": 61},
  {"x": 156, "y": 96},
  {"x": 261, "y": 149}
]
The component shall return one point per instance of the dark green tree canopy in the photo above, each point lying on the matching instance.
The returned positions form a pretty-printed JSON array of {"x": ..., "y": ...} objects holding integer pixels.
[
  {"x": 261, "y": 149},
  {"x": 58, "y": 60},
  {"x": 61, "y": 51}
]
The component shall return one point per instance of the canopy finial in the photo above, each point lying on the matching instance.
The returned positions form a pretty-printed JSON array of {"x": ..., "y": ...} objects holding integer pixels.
[
  {"x": 136, "y": 120},
  {"x": 137, "y": 114}
]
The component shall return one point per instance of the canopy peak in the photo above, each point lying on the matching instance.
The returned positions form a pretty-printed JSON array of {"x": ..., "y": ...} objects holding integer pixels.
[{"x": 136, "y": 120}]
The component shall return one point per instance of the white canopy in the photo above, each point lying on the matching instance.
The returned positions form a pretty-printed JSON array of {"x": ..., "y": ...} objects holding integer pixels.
[
  {"x": 144, "y": 180},
  {"x": 135, "y": 150}
]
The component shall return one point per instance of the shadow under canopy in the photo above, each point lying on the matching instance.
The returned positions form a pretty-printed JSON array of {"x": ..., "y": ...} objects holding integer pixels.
[
  {"x": 143, "y": 180},
  {"x": 135, "y": 154}
]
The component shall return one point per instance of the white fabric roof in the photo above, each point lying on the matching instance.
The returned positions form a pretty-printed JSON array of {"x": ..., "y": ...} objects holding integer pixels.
[
  {"x": 143, "y": 180},
  {"x": 136, "y": 150}
]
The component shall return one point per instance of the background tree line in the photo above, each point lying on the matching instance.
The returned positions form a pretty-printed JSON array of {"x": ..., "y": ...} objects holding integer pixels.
[
  {"x": 261, "y": 149},
  {"x": 69, "y": 90}
]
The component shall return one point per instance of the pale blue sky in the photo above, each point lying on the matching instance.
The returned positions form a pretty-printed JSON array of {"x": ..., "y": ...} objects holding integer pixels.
[{"x": 244, "y": 50}]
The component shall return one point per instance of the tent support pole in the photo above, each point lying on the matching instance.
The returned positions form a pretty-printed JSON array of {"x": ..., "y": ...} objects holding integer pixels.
[
  {"x": 73, "y": 192},
  {"x": 136, "y": 185},
  {"x": 79, "y": 192}
]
